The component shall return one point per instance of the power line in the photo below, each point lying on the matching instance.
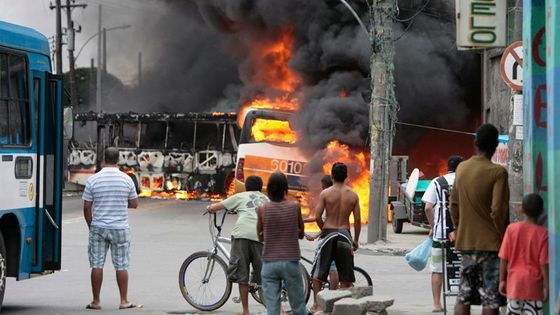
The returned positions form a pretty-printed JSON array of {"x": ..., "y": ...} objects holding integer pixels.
[
  {"x": 414, "y": 15},
  {"x": 435, "y": 128}
]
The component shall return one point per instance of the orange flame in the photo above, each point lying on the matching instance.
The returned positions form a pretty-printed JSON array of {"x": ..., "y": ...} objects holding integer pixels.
[
  {"x": 358, "y": 172},
  {"x": 273, "y": 130},
  {"x": 271, "y": 60},
  {"x": 180, "y": 195}
]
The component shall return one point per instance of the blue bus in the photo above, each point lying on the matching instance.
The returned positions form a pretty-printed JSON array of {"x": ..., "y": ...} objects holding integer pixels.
[{"x": 31, "y": 156}]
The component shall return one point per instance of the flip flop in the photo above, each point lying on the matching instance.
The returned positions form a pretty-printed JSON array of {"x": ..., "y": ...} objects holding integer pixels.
[
  {"x": 93, "y": 307},
  {"x": 131, "y": 305},
  {"x": 437, "y": 311}
]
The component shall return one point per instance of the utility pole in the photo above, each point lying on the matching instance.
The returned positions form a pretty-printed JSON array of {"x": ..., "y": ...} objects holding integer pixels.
[
  {"x": 515, "y": 145},
  {"x": 99, "y": 67},
  {"x": 139, "y": 68},
  {"x": 104, "y": 51},
  {"x": 71, "y": 32},
  {"x": 381, "y": 115},
  {"x": 58, "y": 39}
]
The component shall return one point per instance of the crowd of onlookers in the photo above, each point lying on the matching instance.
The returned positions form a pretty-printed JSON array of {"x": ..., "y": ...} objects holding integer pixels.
[
  {"x": 468, "y": 208},
  {"x": 501, "y": 263}
]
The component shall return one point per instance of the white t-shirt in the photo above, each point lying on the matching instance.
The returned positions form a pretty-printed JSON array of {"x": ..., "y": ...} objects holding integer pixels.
[{"x": 431, "y": 195}]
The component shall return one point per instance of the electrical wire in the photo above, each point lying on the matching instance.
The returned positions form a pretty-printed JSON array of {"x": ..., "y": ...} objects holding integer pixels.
[
  {"x": 414, "y": 15},
  {"x": 435, "y": 128}
]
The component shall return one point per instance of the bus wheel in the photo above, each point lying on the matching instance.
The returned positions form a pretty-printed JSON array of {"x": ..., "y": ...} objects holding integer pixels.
[{"x": 3, "y": 269}]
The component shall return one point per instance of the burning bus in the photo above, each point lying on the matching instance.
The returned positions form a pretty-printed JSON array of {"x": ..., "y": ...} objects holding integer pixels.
[
  {"x": 180, "y": 155},
  {"x": 268, "y": 144}
]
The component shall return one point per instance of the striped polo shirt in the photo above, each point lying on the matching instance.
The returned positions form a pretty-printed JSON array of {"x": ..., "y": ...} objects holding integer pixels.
[
  {"x": 280, "y": 225},
  {"x": 110, "y": 190}
]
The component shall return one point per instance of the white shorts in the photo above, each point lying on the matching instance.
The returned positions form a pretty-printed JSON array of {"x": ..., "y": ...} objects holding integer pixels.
[{"x": 436, "y": 260}]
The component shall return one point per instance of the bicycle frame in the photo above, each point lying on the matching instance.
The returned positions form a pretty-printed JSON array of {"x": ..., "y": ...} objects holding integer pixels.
[{"x": 218, "y": 246}]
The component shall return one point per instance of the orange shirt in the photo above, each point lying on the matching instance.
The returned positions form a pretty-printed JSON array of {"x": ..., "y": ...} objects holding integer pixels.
[{"x": 525, "y": 247}]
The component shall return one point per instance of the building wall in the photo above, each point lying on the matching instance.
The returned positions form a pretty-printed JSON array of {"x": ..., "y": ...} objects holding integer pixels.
[
  {"x": 495, "y": 93},
  {"x": 541, "y": 91}
]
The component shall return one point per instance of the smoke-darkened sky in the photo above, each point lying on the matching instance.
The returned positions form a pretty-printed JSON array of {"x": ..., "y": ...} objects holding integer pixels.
[{"x": 195, "y": 56}]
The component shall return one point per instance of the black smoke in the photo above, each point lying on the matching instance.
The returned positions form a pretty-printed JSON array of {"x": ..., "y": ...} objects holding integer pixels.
[{"x": 200, "y": 60}]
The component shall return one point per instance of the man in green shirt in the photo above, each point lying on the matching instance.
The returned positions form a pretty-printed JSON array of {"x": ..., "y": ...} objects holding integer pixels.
[
  {"x": 245, "y": 247},
  {"x": 480, "y": 213}
]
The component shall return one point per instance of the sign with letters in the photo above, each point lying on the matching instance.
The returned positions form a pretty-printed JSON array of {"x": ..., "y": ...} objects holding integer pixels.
[{"x": 481, "y": 23}]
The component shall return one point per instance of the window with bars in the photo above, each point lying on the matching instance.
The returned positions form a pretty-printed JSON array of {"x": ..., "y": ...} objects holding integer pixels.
[{"x": 15, "y": 127}]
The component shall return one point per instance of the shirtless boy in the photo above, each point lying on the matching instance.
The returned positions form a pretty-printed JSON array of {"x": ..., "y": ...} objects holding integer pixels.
[{"x": 335, "y": 242}]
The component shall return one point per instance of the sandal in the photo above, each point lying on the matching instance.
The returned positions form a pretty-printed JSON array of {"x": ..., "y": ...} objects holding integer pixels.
[
  {"x": 93, "y": 307},
  {"x": 131, "y": 305}
]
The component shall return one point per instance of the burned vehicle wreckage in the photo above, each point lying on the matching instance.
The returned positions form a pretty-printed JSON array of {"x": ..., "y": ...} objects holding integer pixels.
[{"x": 181, "y": 155}]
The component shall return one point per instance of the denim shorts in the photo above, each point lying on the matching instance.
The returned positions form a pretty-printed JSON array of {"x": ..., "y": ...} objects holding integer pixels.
[{"x": 99, "y": 241}]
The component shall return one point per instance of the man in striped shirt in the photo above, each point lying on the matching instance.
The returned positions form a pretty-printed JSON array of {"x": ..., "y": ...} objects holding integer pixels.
[{"x": 107, "y": 197}]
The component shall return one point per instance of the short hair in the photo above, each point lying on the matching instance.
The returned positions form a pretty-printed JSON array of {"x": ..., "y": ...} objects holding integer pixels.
[
  {"x": 339, "y": 172},
  {"x": 533, "y": 205},
  {"x": 487, "y": 138},
  {"x": 253, "y": 183},
  {"x": 277, "y": 186},
  {"x": 111, "y": 155},
  {"x": 326, "y": 181},
  {"x": 453, "y": 161}
]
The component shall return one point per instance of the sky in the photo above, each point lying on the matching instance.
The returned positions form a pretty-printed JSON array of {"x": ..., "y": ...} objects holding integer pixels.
[{"x": 122, "y": 44}]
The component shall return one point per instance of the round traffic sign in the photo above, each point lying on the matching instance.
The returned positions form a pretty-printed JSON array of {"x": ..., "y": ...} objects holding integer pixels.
[{"x": 511, "y": 66}]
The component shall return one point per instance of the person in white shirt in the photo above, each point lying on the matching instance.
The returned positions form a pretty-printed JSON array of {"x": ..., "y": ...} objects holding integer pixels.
[{"x": 436, "y": 200}]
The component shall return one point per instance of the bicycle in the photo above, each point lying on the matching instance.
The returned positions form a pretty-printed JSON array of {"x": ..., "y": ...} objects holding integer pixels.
[
  {"x": 363, "y": 279},
  {"x": 205, "y": 272}
]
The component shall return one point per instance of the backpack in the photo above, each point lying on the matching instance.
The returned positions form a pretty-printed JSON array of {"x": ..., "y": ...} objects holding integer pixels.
[{"x": 443, "y": 190}]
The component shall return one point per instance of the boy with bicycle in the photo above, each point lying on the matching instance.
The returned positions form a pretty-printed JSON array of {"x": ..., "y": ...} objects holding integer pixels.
[{"x": 245, "y": 246}]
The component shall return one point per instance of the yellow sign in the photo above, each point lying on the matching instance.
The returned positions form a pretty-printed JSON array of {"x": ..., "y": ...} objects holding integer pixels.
[{"x": 30, "y": 192}]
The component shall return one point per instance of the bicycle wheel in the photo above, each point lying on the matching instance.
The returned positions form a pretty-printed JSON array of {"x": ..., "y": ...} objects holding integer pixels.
[
  {"x": 256, "y": 290},
  {"x": 362, "y": 278},
  {"x": 306, "y": 281},
  {"x": 203, "y": 281}
]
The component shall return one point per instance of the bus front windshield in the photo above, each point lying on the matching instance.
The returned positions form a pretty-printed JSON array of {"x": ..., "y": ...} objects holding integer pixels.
[{"x": 272, "y": 130}]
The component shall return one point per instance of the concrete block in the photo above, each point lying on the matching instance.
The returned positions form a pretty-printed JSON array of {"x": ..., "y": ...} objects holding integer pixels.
[
  {"x": 349, "y": 306},
  {"x": 377, "y": 303},
  {"x": 360, "y": 292},
  {"x": 326, "y": 298},
  {"x": 377, "y": 313}
]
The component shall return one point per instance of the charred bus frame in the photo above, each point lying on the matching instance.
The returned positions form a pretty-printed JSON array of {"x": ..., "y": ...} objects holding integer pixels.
[{"x": 167, "y": 147}]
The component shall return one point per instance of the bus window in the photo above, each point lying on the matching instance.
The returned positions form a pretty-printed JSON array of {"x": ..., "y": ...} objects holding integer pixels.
[
  {"x": 3, "y": 76},
  {"x": 14, "y": 101},
  {"x": 272, "y": 130}
]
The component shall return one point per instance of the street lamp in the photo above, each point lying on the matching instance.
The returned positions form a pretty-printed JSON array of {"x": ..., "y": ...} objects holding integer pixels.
[{"x": 120, "y": 27}]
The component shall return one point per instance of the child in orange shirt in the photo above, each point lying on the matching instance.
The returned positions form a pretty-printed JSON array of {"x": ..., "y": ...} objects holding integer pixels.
[{"x": 524, "y": 261}]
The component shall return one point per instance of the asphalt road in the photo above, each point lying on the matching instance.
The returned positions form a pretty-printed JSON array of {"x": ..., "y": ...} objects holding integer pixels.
[{"x": 164, "y": 233}]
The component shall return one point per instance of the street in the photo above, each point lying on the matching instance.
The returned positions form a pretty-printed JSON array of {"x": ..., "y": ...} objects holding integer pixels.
[{"x": 164, "y": 233}]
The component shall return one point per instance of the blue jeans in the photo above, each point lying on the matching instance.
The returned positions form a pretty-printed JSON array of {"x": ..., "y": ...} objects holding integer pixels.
[{"x": 272, "y": 275}]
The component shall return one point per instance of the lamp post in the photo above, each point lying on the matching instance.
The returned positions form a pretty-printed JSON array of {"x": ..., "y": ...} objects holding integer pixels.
[{"x": 120, "y": 27}]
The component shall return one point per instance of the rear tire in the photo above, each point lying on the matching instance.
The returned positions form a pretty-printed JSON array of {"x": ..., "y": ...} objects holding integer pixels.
[
  {"x": 3, "y": 270},
  {"x": 362, "y": 278},
  {"x": 397, "y": 225}
]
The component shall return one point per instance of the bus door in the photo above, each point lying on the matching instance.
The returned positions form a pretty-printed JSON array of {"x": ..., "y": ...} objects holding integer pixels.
[{"x": 48, "y": 110}]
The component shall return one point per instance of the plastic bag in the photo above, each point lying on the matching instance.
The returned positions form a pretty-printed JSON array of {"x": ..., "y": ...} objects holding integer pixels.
[{"x": 418, "y": 257}]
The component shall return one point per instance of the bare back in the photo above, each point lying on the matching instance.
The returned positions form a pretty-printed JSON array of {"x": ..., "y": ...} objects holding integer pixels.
[{"x": 339, "y": 201}]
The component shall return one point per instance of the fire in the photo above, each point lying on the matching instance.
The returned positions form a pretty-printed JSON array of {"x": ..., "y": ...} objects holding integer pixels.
[
  {"x": 271, "y": 60},
  {"x": 180, "y": 195},
  {"x": 358, "y": 172},
  {"x": 273, "y": 130},
  {"x": 442, "y": 167}
]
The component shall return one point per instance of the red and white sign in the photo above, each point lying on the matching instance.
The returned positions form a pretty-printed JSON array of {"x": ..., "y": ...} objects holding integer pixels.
[{"x": 511, "y": 66}]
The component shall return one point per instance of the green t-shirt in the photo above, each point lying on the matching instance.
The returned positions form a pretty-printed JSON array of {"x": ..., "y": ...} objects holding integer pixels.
[{"x": 246, "y": 204}]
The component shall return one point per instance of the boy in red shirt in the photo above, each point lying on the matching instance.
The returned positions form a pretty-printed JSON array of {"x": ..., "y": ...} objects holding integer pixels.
[{"x": 524, "y": 261}]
